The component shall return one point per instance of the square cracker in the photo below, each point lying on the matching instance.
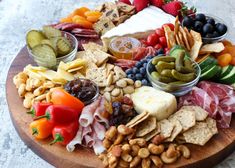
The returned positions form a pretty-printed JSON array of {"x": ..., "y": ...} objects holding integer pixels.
[
  {"x": 166, "y": 128},
  {"x": 176, "y": 131},
  {"x": 97, "y": 75},
  {"x": 200, "y": 134},
  {"x": 138, "y": 119},
  {"x": 100, "y": 57},
  {"x": 103, "y": 25},
  {"x": 197, "y": 38},
  {"x": 93, "y": 46},
  {"x": 200, "y": 113},
  {"x": 146, "y": 126},
  {"x": 186, "y": 118}
]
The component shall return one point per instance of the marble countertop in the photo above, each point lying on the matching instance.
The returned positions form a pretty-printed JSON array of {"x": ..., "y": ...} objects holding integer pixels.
[{"x": 17, "y": 17}]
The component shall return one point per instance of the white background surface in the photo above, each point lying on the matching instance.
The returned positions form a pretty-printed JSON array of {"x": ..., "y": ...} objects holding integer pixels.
[{"x": 16, "y": 18}]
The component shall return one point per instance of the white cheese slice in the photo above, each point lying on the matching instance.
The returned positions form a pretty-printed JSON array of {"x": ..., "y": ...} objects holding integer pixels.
[
  {"x": 141, "y": 24},
  {"x": 158, "y": 103}
]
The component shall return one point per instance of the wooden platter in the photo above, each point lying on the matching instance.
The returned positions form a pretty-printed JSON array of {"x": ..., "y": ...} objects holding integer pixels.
[{"x": 219, "y": 147}]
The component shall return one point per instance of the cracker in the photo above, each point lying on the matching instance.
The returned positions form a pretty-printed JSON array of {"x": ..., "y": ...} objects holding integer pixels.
[
  {"x": 176, "y": 131},
  {"x": 93, "y": 46},
  {"x": 109, "y": 68},
  {"x": 75, "y": 69},
  {"x": 177, "y": 25},
  {"x": 169, "y": 36},
  {"x": 166, "y": 128},
  {"x": 100, "y": 56},
  {"x": 112, "y": 14},
  {"x": 146, "y": 126},
  {"x": 197, "y": 44},
  {"x": 97, "y": 75},
  {"x": 150, "y": 135},
  {"x": 177, "y": 39},
  {"x": 103, "y": 25},
  {"x": 125, "y": 8},
  {"x": 189, "y": 37},
  {"x": 138, "y": 119},
  {"x": 200, "y": 134},
  {"x": 185, "y": 39},
  {"x": 212, "y": 48},
  {"x": 122, "y": 19},
  {"x": 186, "y": 118},
  {"x": 200, "y": 113},
  {"x": 181, "y": 39},
  {"x": 211, "y": 123}
]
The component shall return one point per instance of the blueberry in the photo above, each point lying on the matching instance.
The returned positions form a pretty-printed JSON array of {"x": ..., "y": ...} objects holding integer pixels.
[
  {"x": 198, "y": 26},
  {"x": 138, "y": 64},
  {"x": 129, "y": 71},
  {"x": 160, "y": 51},
  {"x": 131, "y": 76},
  {"x": 187, "y": 21},
  {"x": 216, "y": 34},
  {"x": 139, "y": 76},
  {"x": 200, "y": 17},
  {"x": 135, "y": 70},
  {"x": 145, "y": 65},
  {"x": 207, "y": 28},
  {"x": 143, "y": 71},
  {"x": 149, "y": 57},
  {"x": 151, "y": 68},
  {"x": 144, "y": 82},
  {"x": 211, "y": 21},
  {"x": 143, "y": 61},
  {"x": 222, "y": 29}
]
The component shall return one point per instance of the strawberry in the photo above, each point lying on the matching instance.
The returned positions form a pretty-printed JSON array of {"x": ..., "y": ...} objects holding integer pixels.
[
  {"x": 125, "y": 1},
  {"x": 173, "y": 7},
  {"x": 140, "y": 4},
  {"x": 157, "y": 3}
]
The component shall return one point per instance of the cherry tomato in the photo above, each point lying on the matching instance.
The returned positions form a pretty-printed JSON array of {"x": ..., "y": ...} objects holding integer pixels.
[
  {"x": 166, "y": 51},
  {"x": 233, "y": 61},
  {"x": 224, "y": 59},
  {"x": 160, "y": 32},
  {"x": 158, "y": 46},
  {"x": 170, "y": 25},
  {"x": 162, "y": 41},
  {"x": 152, "y": 39}
]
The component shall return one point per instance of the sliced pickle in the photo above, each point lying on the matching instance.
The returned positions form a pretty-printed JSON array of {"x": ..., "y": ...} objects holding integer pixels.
[
  {"x": 63, "y": 46},
  {"x": 50, "y": 43},
  {"x": 44, "y": 55},
  {"x": 34, "y": 38},
  {"x": 51, "y": 32}
]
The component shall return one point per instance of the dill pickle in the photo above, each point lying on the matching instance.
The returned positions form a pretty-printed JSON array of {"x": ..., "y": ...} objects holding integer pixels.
[
  {"x": 63, "y": 46},
  {"x": 160, "y": 78},
  {"x": 177, "y": 83},
  {"x": 162, "y": 58},
  {"x": 161, "y": 65},
  {"x": 51, "y": 32},
  {"x": 34, "y": 37},
  {"x": 189, "y": 65},
  {"x": 179, "y": 62},
  {"x": 167, "y": 73},
  {"x": 183, "y": 77}
]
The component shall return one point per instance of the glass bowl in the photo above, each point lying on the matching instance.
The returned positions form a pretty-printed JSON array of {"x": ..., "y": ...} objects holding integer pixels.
[
  {"x": 175, "y": 89},
  {"x": 214, "y": 39},
  {"x": 66, "y": 58}
]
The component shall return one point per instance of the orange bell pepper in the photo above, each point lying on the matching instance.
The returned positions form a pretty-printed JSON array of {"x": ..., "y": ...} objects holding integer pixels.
[
  {"x": 41, "y": 128},
  {"x": 60, "y": 97}
]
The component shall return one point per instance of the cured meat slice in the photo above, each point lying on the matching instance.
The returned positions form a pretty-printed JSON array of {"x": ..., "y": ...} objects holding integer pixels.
[
  {"x": 99, "y": 129},
  {"x": 101, "y": 115},
  {"x": 98, "y": 147},
  {"x": 76, "y": 140},
  {"x": 83, "y": 31},
  {"x": 89, "y": 141},
  {"x": 87, "y": 35}
]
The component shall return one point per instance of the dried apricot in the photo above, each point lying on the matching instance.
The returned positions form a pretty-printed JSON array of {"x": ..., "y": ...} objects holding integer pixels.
[
  {"x": 83, "y": 23},
  {"x": 224, "y": 59},
  {"x": 66, "y": 20},
  {"x": 92, "y": 13},
  {"x": 93, "y": 18},
  {"x": 77, "y": 17},
  {"x": 80, "y": 11},
  {"x": 231, "y": 50}
]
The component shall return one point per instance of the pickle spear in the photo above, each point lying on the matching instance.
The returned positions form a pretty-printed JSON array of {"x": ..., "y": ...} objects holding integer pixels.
[
  {"x": 160, "y": 78},
  {"x": 163, "y": 58},
  {"x": 183, "y": 77}
]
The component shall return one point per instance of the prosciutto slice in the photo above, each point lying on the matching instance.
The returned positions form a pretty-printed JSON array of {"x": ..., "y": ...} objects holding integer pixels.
[
  {"x": 99, "y": 130},
  {"x": 98, "y": 147},
  {"x": 76, "y": 140},
  {"x": 101, "y": 115},
  {"x": 217, "y": 99}
]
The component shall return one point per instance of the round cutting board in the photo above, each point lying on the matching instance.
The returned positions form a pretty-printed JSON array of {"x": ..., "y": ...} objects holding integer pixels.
[{"x": 219, "y": 147}]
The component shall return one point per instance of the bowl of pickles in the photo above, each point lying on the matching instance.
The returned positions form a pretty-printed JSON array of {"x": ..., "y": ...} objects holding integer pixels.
[
  {"x": 176, "y": 75},
  {"x": 49, "y": 46}
]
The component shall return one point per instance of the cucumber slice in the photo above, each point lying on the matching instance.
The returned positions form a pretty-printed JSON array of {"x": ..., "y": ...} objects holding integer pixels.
[
  {"x": 34, "y": 38},
  {"x": 44, "y": 55},
  {"x": 176, "y": 50},
  {"x": 63, "y": 46},
  {"x": 207, "y": 61},
  {"x": 209, "y": 66},
  {"x": 226, "y": 70},
  {"x": 210, "y": 73},
  {"x": 51, "y": 32},
  {"x": 229, "y": 78}
]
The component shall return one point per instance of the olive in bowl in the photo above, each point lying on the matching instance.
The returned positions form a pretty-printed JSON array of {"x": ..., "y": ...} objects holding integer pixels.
[
  {"x": 212, "y": 28},
  {"x": 175, "y": 75}
]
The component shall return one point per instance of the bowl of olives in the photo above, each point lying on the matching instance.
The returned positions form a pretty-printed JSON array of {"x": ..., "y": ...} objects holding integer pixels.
[
  {"x": 212, "y": 28},
  {"x": 175, "y": 75}
]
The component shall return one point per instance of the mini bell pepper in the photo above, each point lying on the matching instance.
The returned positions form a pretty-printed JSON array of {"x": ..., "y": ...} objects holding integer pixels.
[
  {"x": 41, "y": 129},
  {"x": 63, "y": 134},
  {"x": 60, "y": 97},
  {"x": 60, "y": 114},
  {"x": 39, "y": 109}
]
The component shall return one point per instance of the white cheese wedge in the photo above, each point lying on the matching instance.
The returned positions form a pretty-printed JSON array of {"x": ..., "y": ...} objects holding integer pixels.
[
  {"x": 141, "y": 24},
  {"x": 158, "y": 103}
]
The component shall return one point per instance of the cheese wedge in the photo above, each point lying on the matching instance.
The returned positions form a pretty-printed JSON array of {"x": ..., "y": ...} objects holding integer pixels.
[{"x": 158, "y": 103}]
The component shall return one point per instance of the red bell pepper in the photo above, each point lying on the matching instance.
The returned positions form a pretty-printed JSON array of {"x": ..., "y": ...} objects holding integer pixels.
[
  {"x": 63, "y": 134},
  {"x": 60, "y": 114},
  {"x": 39, "y": 109}
]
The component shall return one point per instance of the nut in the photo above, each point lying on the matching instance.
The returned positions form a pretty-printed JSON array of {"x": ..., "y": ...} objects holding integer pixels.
[
  {"x": 115, "y": 92},
  {"x": 107, "y": 143},
  {"x": 22, "y": 90},
  {"x": 158, "y": 139},
  {"x": 124, "y": 130},
  {"x": 39, "y": 91},
  {"x": 135, "y": 149},
  {"x": 119, "y": 139},
  {"x": 123, "y": 164},
  {"x": 146, "y": 163},
  {"x": 109, "y": 88},
  {"x": 155, "y": 149},
  {"x": 128, "y": 90},
  {"x": 156, "y": 161},
  {"x": 104, "y": 159},
  {"x": 171, "y": 151},
  {"x": 137, "y": 84},
  {"x": 28, "y": 86},
  {"x": 40, "y": 98},
  {"x": 27, "y": 103},
  {"x": 116, "y": 150},
  {"x": 143, "y": 153},
  {"x": 115, "y": 79},
  {"x": 111, "y": 133},
  {"x": 29, "y": 95},
  {"x": 119, "y": 72},
  {"x": 184, "y": 150},
  {"x": 126, "y": 157},
  {"x": 109, "y": 79},
  {"x": 112, "y": 159},
  {"x": 48, "y": 84},
  {"x": 138, "y": 141},
  {"x": 135, "y": 162},
  {"x": 48, "y": 97},
  {"x": 168, "y": 160},
  {"x": 36, "y": 83},
  {"x": 23, "y": 76},
  {"x": 126, "y": 148},
  {"x": 129, "y": 81},
  {"x": 107, "y": 96},
  {"x": 121, "y": 83}
]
